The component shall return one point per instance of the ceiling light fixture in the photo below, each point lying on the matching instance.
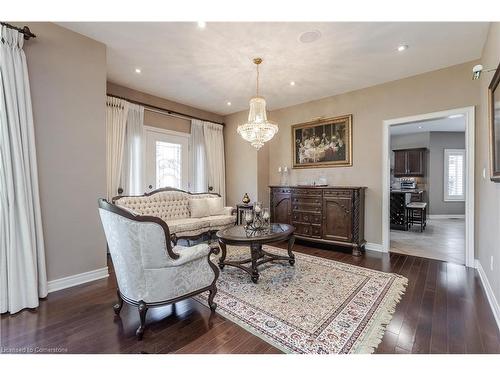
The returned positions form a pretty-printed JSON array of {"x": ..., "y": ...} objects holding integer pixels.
[
  {"x": 202, "y": 24},
  {"x": 292, "y": 83},
  {"x": 258, "y": 130},
  {"x": 420, "y": 127},
  {"x": 138, "y": 71},
  {"x": 402, "y": 47},
  {"x": 228, "y": 104}
]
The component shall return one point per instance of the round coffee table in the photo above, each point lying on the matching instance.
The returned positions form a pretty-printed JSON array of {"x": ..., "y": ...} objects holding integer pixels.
[{"x": 238, "y": 235}]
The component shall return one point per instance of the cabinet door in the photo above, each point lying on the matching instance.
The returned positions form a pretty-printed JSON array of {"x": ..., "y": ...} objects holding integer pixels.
[
  {"x": 337, "y": 218},
  {"x": 281, "y": 209},
  {"x": 399, "y": 163},
  {"x": 415, "y": 162}
]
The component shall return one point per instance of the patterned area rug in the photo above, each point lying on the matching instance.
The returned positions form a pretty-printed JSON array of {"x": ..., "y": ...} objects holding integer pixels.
[{"x": 317, "y": 306}]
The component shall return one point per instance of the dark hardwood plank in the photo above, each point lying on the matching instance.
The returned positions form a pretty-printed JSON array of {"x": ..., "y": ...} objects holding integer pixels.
[{"x": 444, "y": 310}]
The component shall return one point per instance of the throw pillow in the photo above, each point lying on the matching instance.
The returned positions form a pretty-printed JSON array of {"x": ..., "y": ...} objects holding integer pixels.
[
  {"x": 199, "y": 207},
  {"x": 215, "y": 206}
]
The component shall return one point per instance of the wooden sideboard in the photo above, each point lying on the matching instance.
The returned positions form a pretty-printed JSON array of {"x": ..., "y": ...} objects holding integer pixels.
[{"x": 330, "y": 214}]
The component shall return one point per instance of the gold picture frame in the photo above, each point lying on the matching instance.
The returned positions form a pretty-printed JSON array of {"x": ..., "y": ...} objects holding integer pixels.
[
  {"x": 322, "y": 143},
  {"x": 494, "y": 125}
]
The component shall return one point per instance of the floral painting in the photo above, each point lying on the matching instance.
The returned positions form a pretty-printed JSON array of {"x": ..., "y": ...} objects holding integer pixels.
[{"x": 323, "y": 143}]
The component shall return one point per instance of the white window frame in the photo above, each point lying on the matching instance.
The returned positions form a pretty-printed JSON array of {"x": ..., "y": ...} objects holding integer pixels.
[
  {"x": 153, "y": 129},
  {"x": 447, "y": 153}
]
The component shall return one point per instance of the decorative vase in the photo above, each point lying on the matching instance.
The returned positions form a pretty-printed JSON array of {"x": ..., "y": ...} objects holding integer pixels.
[{"x": 246, "y": 199}]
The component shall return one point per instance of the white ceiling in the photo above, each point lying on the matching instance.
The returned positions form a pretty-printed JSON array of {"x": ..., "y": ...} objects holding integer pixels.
[
  {"x": 436, "y": 125},
  {"x": 205, "y": 68}
]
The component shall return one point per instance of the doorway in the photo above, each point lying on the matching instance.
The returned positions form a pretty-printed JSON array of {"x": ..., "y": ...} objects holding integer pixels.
[
  {"x": 167, "y": 163},
  {"x": 457, "y": 162}
]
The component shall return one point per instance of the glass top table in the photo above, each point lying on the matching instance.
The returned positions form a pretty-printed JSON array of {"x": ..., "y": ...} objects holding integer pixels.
[{"x": 240, "y": 235}]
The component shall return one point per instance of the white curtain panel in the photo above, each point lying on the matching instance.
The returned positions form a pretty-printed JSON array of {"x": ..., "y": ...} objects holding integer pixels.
[
  {"x": 116, "y": 121},
  {"x": 199, "y": 182},
  {"x": 133, "y": 171},
  {"x": 23, "y": 276},
  {"x": 214, "y": 145}
]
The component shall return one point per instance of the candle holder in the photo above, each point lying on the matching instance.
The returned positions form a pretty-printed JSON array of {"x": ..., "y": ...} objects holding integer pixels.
[{"x": 258, "y": 219}]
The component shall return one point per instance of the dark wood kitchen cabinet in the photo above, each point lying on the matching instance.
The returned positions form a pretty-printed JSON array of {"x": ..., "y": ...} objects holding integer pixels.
[
  {"x": 409, "y": 162},
  {"x": 332, "y": 215}
]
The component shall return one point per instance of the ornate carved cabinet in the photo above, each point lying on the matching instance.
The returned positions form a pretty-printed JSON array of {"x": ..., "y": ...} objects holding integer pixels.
[{"x": 333, "y": 215}]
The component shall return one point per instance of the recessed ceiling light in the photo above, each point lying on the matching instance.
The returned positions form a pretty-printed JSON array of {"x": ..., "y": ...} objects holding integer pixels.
[
  {"x": 456, "y": 116},
  {"x": 202, "y": 24},
  {"x": 292, "y": 83},
  {"x": 420, "y": 127},
  {"x": 402, "y": 47},
  {"x": 310, "y": 36},
  {"x": 228, "y": 104},
  {"x": 138, "y": 70}
]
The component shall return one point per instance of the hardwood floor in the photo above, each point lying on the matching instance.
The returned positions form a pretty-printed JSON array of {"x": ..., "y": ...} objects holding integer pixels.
[
  {"x": 444, "y": 310},
  {"x": 443, "y": 239}
]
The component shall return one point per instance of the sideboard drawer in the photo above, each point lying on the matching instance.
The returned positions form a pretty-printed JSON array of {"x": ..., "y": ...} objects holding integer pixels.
[
  {"x": 306, "y": 207},
  {"x": 308, "y": 200},
  {"x": 306, "y": 217},
  {"x": 307, "y": 192},
  {"x": 338, "y": 193}
]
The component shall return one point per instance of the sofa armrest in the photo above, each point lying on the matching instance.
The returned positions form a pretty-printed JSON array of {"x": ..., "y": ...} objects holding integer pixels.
[
  {"x": 188, "y": 254},
  {"x": 229, "y": 211}
]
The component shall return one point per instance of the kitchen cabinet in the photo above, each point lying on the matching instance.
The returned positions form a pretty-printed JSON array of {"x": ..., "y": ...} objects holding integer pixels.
[
  {"x": 329, "y": 214},
  {"x": 409, "y": 162}
]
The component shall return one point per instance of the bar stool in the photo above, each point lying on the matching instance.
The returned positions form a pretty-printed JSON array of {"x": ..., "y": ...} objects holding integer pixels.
[{"x": 416, "y": 213}]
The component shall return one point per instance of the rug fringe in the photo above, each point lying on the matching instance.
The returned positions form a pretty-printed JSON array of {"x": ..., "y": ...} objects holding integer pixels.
[{"x": 375, "y": 331}]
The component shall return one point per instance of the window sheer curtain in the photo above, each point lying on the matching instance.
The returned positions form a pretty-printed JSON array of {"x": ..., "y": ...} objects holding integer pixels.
[
  {"x": 216, "y": 165},
  {"x": 199, "y": 183},
  {"x": 133, "y": 172},
  {"x": 23, "y": 278},
  {"x": 116, "y": 121}
]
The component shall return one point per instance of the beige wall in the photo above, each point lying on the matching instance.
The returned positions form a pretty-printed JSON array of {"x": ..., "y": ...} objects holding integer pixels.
[
  {"x": 435, "y": 91},
  {"x": 158, "y": 120},
  {"x": 68, "y": 87},
  {"x": 487, "y": 193}
]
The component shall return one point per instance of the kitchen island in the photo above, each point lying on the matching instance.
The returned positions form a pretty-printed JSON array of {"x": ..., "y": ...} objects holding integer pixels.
[{"x": 399, "y": 199}]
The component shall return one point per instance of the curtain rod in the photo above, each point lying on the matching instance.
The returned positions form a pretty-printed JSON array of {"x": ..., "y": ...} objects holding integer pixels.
[
  {"x": 164, "y": 110},
  {"x": 25, "y": 30}
]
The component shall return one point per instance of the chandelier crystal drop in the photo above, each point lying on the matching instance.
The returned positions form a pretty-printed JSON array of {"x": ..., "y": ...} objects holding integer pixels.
[{"x": 258, "y": 130}]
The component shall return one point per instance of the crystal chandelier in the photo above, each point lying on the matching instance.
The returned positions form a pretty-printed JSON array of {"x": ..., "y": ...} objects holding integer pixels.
[{"x": 258, "y": 129}]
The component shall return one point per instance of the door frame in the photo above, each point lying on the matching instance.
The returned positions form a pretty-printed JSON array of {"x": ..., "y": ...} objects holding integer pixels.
[
  {"x": 469, "y": 115},
  {"x": 147, "y": 129}
]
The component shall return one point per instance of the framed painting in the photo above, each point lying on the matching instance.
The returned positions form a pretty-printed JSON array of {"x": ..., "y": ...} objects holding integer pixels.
[
  {"x": 494, "y": 124},
  {"x": 323, "y": 143}
]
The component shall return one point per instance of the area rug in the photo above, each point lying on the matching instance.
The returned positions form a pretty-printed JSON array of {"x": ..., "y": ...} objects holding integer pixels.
[{"x": 317, "y": 306}]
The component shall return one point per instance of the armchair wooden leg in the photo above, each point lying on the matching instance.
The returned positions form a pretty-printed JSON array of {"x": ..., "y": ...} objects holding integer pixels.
[
  {"x": 143, "y": 309},
  {"x": 211, "y": 296},
  {"x": 118, "y": 306}
]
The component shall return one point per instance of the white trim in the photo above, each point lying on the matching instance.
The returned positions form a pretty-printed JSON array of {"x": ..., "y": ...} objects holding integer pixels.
[
  {"x": 81, "y": 278},
  {"x": 437, "y": 217},
  {"x": 469, "y": 113},
  {"x": 495, "y": 307},
  {"x": 374, "y": 247}
]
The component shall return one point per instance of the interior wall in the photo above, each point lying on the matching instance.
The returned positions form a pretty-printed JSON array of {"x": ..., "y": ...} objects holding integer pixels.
[
  {"x": 487, "y": 193},
  {"x": 439, "y": 141},
  {"x": 158, "y": 120},
  {"x": 68, "y": 90},
  {"x": 439, "y": 90}
]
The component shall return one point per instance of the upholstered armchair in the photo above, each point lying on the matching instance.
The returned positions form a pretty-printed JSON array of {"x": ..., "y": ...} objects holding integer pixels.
[{"x": 149, "y": 270}]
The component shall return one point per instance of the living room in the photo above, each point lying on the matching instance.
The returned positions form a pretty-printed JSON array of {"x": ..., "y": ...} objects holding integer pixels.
[{"x": 223, "y": 187}]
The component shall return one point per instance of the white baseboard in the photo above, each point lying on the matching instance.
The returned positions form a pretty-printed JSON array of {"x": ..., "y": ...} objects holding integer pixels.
[
  {"x": 495, "y": 307},
  {"x": 81, "y": 278},
  {"x": 374, "y": 247},
  {"x": 445, "y": 216}
]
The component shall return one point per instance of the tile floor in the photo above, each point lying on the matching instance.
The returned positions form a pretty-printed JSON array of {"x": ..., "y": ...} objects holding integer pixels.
[{"x": 443, "y": 239}]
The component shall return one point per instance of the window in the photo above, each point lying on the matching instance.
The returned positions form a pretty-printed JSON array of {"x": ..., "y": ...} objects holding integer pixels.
[
  {"x": 168, "y": 164},
  {"x": 454, "y": 175},
  {"x": 167, "y": 159}
]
